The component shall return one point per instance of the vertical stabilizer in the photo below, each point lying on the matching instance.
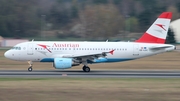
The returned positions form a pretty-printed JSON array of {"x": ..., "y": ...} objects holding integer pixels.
[{"x": 158, "y": 30}]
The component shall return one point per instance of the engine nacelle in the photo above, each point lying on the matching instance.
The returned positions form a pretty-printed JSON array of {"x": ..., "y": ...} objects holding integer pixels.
[
  {"x": 100, "y": 60},
  {"x": 62, "y": 63}
]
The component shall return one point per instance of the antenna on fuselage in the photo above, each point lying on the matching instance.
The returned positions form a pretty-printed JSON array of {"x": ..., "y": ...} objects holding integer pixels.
[
  {"x": 32, "y": 40},
  {"x": 107, "y": 40}
]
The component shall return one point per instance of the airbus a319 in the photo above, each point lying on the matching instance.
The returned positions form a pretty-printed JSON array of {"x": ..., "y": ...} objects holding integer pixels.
[{"x": 64, "y": 55}]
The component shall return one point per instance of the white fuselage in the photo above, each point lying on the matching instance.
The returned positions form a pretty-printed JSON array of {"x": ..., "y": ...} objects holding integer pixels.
[{"x": 42, "y": 51}]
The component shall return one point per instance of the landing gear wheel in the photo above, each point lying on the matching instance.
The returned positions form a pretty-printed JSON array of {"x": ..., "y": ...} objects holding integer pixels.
[
  {"x": 30, "y": 64},
  {"x": 30, "y": 69},
  {"x": 86, "y": 69}
]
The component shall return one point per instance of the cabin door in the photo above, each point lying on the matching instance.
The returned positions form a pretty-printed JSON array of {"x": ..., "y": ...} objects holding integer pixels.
[{"x": 136, "y": 50}]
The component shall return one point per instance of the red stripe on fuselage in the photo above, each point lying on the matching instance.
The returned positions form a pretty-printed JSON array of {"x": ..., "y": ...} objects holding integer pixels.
[{"x": 147, "y": 38}]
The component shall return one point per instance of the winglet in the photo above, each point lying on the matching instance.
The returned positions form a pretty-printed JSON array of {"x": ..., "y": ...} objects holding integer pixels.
[{"x": 111, "y": 52}]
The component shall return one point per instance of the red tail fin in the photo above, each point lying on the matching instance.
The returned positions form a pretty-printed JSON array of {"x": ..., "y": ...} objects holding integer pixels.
[{"x": 158, "y": 31}]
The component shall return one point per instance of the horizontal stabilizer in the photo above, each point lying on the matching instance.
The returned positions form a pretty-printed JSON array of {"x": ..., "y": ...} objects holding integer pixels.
[{"x": 159, "y": 47}]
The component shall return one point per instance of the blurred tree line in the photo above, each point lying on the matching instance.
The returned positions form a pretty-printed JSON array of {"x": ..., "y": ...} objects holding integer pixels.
[{"x": 80, "y": 18}]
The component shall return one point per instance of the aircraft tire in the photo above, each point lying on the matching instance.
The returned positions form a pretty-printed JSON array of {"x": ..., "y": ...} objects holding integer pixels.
[
  {"x": 30, "y": 69},
  {"x": 86, "y": 69}
]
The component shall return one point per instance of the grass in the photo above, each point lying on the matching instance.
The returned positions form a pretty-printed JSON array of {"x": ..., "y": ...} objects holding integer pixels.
[{"x": 91, "y": 89}]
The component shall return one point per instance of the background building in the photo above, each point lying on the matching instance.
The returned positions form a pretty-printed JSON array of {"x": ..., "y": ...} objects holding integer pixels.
[
  {"x": 10, "y": 42},
  {"x": 1, "y": 39},
  {"x": 175, "y": 26}
]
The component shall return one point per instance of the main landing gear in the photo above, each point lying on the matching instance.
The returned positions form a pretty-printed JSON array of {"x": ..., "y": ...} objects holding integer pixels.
[
  {"x": 86, "y": 68},
  {"x": 30, "y": 66}
]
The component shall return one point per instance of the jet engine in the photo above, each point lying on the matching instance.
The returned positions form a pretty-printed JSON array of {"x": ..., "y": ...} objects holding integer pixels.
[{"x": 64, "y": 63}]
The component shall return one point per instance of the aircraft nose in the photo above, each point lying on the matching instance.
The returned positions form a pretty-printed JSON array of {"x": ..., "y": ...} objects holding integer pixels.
[{"x": 7, "y": 54}]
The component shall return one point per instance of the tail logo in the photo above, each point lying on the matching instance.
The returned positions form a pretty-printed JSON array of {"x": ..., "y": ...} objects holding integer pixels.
[{"x": 161, "y": 26}]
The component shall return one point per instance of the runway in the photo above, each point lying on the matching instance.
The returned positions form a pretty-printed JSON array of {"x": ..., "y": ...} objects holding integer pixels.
[{"x": 92, "y": 74}]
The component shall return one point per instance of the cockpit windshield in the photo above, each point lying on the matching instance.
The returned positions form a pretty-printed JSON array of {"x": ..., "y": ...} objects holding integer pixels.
[{"x": 16, "y": 48}]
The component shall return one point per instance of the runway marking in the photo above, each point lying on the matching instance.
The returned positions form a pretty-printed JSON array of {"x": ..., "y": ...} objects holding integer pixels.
[{"x": 95, "y": 73}]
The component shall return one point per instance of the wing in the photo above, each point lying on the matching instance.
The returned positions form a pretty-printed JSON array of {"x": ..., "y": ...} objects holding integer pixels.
[{"x": 86, "y": 57}]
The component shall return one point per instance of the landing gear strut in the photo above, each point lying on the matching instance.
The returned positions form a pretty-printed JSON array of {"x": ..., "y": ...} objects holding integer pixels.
[
  {"x": 86, "y": 68},
  {"x": 30, "y": 66}
]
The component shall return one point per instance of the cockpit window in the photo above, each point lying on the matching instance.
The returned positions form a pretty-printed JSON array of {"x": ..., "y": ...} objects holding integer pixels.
[{"x": 16, "y": 48}]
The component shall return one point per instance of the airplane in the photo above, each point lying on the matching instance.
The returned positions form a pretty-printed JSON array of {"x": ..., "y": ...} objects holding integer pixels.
[{"x": 66, "y": 54}]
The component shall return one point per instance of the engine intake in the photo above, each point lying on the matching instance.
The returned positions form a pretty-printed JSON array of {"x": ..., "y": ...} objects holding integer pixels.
[{"x": 63, "y": 63}]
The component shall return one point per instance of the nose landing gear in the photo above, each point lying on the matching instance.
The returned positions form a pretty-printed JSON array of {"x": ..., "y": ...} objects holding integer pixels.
[
  {"x": 30, "y": 69},
  {"x": 31, "y": 65}
]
